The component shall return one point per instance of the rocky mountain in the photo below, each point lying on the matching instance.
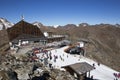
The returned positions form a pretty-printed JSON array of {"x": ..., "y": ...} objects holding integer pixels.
[
  {"x": 68, "y": 26},
  {"x": 38, "y": 24},
  {"x": 43, "y": 28},
  {"x": 55, "y": 26},
  {"x": 104, "y": 39},
  {"x": 103, "y": 45},
  {"x": 83, "y": 24},
  {"x": 4, "y": 23}
]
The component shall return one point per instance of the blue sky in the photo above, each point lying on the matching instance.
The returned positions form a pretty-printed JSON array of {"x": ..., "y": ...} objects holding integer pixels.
[{"x": 61, "y": 12}]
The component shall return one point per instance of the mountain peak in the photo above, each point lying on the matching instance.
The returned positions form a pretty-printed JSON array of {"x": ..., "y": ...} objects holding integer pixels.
[
  {"x": 4, "y": 23},
  {"x": 56, "y": 26},
  {"x": 38, "y": 24}
]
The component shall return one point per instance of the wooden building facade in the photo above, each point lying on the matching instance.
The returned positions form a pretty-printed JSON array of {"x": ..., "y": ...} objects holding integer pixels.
[{"x": 25, "y": 31}]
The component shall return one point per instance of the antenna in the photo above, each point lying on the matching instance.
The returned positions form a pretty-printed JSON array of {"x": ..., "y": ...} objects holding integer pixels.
[{"x": 22, "y": 17}]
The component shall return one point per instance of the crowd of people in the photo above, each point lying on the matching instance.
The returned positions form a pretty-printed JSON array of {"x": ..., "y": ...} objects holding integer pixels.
[
  {"x": 117, "y": 76},
  {"x": 47, "y": 57}
]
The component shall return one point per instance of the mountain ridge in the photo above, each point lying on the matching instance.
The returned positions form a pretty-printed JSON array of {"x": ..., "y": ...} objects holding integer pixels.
[
  {"x": 4, "y": 23},
  {"x": 104, "y": 46}
]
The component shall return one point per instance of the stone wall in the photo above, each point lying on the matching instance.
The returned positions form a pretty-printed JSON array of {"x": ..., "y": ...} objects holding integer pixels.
[{"x": 4, "y": 41}]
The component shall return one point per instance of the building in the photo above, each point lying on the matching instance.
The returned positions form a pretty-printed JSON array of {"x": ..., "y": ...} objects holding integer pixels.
[
  {"x": 52, "y": 36},
  {"x": 23, "y": 32},
  {"x": 79, "y": 70}
]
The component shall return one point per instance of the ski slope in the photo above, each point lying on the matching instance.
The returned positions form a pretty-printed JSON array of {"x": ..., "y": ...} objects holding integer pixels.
[{"x": 101, "y": 72}]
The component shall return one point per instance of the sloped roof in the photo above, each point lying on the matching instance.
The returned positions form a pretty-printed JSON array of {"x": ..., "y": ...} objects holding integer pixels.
[
  {"x": 80, "y": 68},
  {"x": 24, "y": 28}
]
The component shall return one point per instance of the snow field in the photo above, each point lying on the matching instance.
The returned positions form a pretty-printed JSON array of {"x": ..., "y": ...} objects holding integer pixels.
[{"x": 101, "y": 72}]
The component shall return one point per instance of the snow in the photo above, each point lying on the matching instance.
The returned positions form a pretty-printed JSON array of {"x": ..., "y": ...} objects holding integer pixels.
[
  {"x": 5, "y": 22},
  {"x": 101, "y": 72},
  {"x": 46, "y": 34},
  {"x": 55, "y": 26},
  {"x": 38, "y": 24}
]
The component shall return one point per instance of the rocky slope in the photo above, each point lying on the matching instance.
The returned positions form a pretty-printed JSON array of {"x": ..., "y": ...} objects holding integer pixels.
[
  {"x": 103, "y": 43},
  {"x": 4, "y": 41},
  {"x": 20, "y": 68}
]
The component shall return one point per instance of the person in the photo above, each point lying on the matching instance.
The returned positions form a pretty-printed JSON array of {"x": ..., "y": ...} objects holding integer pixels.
[
  {"x": 54, "y": 58},
  {"x": 98, "y": 64},
  {"x": 115, "y": 74},
  {"x": 92, "y": 77},
  {"x": 45, "y": 61},
  {"x": 67, "y": 56},
  {"x": 94, "y": 65},
  {"x": 60, "y": 57},
  {"x": 63, "y": 60},
  {"x": 50, "y": 57},
  {"x": 118, "y": 75},
  {"x": 50, "y": 64}
]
